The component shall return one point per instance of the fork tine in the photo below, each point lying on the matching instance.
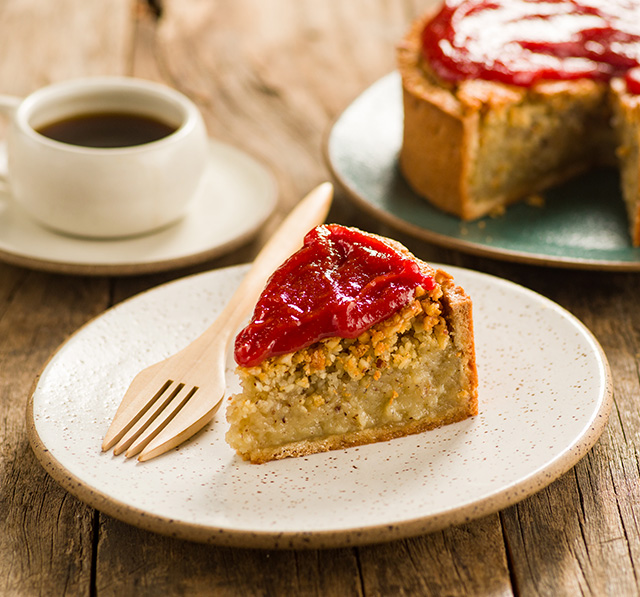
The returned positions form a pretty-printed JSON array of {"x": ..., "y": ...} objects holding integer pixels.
[
  {"x": 129, "y": 413},
  {"x": 155, "y": 409},
  {"x": 186, "y": 423},
  {"x": 179, "y": 397}
]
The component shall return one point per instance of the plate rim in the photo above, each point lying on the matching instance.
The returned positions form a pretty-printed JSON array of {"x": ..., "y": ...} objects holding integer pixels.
[
  {"x": 446, "y": 241},
  {"x": 158, "y": 265},
  {"x": 535, "y": 481}
]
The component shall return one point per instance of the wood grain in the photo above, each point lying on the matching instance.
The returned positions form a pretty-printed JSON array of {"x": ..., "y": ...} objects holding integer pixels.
[
  {"x": 270, "y": 77},
  {"x": 46, "y": 535}
]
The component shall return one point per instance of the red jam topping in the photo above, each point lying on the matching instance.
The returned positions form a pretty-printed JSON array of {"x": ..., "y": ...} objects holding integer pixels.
[
  {"x": 633, "y": 81},
  {"x": 340, "y": 283},
  {"x": 523, "y": 42}
]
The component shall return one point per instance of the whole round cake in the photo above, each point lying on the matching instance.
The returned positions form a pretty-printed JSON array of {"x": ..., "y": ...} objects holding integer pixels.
[{"x": 505, "y": 98}]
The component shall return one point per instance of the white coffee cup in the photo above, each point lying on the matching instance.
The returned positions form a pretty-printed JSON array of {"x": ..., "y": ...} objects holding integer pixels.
[{"x": 104, "y": 192}]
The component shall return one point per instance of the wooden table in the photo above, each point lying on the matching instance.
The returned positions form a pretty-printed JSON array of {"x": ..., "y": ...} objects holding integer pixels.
[{"x": 270, "y": 77}]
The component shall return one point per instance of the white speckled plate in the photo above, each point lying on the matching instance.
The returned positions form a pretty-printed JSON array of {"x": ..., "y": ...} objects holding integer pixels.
[
  {"x": 545, "y": 393},
  {"x": 236, "y": 197}
]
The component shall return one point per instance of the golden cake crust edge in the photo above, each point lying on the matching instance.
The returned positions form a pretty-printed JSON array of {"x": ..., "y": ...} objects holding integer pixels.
[{"x": 433, "y": 117}]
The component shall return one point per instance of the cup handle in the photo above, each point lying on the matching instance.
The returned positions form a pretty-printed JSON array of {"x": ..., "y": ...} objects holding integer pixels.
[{"x": 8, "y": 105}]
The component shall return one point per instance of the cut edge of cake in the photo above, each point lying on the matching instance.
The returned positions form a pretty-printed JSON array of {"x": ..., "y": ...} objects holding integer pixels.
[{"x": 626, "y": 124}]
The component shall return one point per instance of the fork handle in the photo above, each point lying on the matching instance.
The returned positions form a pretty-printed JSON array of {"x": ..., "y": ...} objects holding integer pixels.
[{"x": 308, "y": 213}]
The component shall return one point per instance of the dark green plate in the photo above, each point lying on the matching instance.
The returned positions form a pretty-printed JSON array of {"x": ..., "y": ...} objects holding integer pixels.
[{"x": 582, "y": 223}]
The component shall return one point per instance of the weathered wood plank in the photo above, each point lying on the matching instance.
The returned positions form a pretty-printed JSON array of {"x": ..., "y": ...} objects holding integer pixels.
[
  {"x": 134, "y": 562},
  {"x": 463, "y": 560},
  {"x": 43, "y": 42},
  {"x": 270, "y": 77},
  {"x": 46, "y": 535}
]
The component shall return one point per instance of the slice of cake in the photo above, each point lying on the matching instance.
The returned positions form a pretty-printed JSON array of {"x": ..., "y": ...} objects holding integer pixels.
[
  {"x": 505, "y": 99},
  {"x": 353, "y": 341}
]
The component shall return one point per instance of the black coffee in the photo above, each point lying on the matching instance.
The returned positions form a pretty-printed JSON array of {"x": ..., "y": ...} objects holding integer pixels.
[{"x": 107, "y": 129}]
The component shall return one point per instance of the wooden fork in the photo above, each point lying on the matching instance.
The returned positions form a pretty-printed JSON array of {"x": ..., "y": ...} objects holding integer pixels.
[{"x": 168, "y": 402}]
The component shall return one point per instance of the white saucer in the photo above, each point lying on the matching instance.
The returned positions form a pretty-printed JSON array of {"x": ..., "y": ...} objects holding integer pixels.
[{"x": 235, "y": 199}]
